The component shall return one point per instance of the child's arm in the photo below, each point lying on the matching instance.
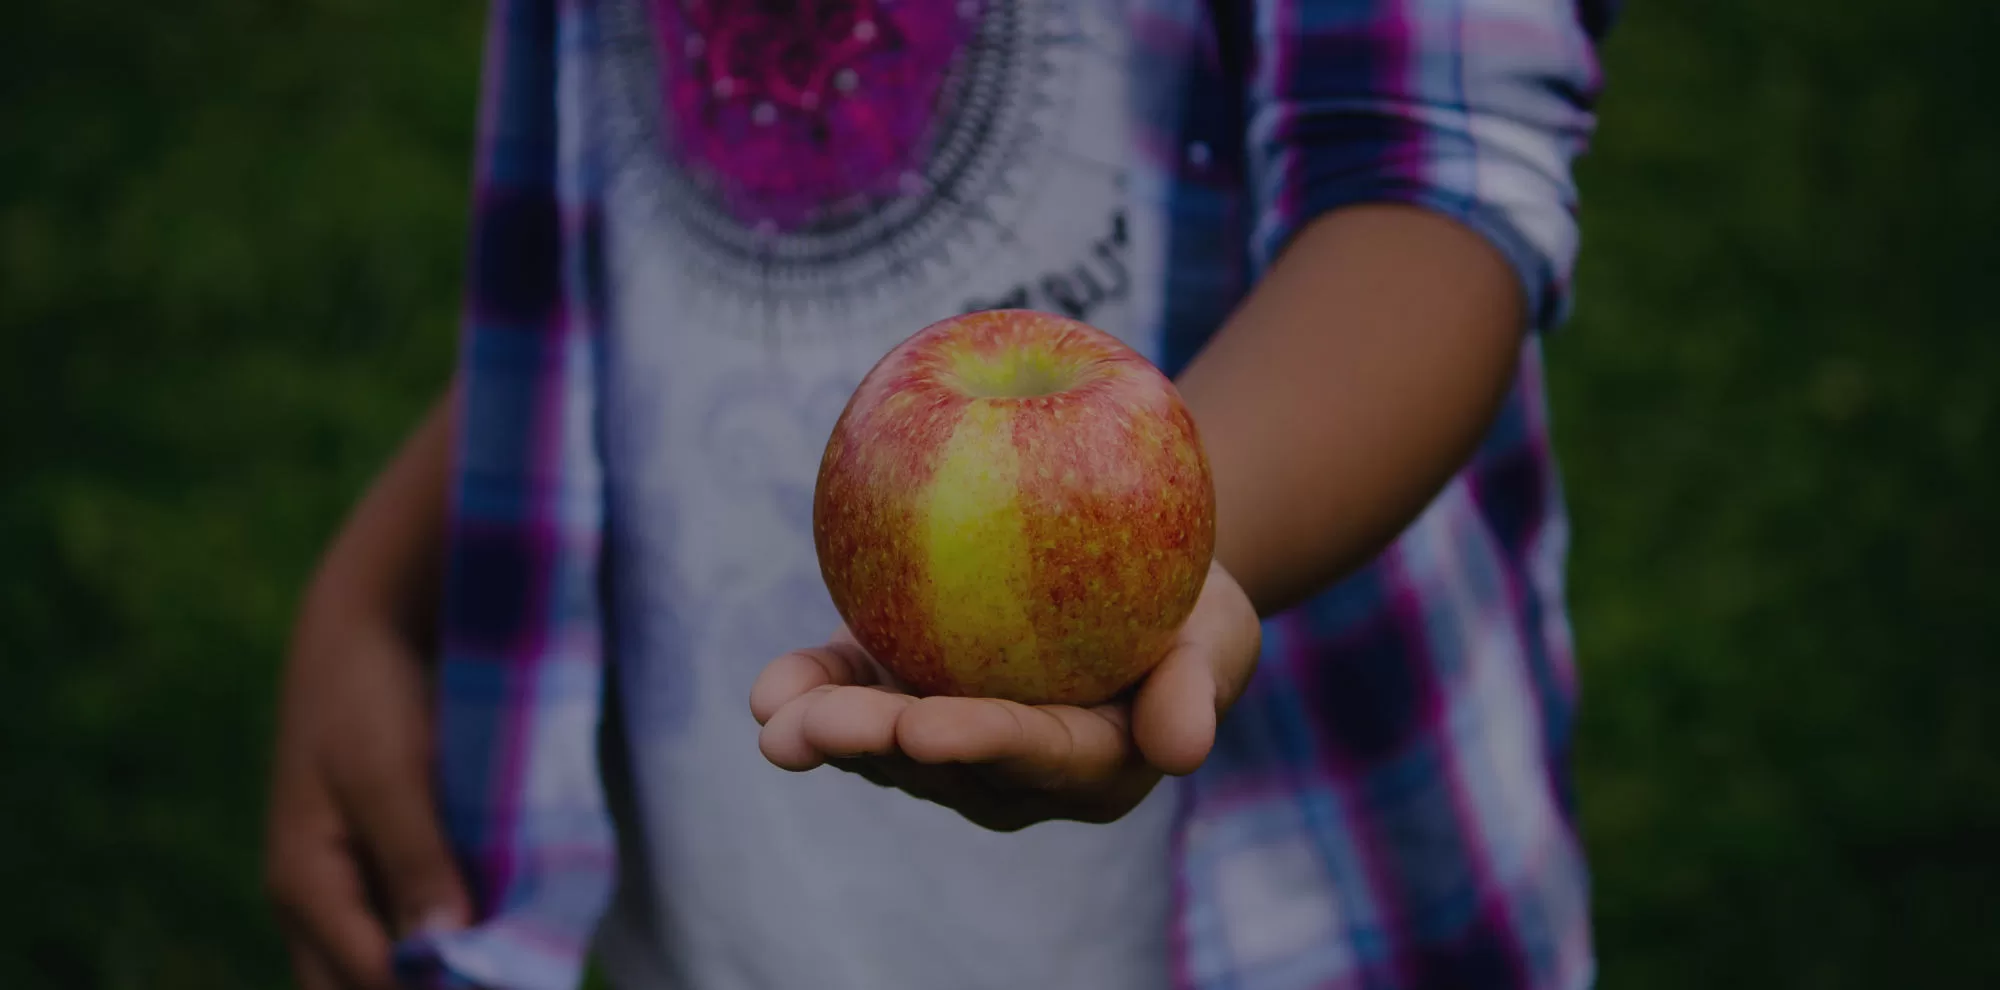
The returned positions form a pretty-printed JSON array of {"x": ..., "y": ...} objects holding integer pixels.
[
  {"x": 1408, "y": 172},
  {"x": 1350, "y": 386},
  {"x": 1345, "y": 391},
  {"x": 351, "y": 799}
]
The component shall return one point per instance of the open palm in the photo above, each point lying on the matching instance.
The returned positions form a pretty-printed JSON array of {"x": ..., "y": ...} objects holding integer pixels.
[{"x": 1002, "y": 764}]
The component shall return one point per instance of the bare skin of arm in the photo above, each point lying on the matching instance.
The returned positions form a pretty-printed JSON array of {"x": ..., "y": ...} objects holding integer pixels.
[
  {"x": 355, "y": 857},
  {"x": 1347, "y": 390},
  {"x": 1339, "y": 399}
]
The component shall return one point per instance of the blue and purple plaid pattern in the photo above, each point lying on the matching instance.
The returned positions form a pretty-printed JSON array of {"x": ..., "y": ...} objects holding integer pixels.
[{"x": 1389, "y": 804}]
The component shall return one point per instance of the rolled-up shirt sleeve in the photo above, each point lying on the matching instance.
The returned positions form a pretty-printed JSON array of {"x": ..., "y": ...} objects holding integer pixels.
[{"x": 1476, "y": 109}]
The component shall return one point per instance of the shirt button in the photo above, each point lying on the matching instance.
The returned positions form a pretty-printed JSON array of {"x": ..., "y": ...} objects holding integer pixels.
[{"x": 1198, "y": 154}]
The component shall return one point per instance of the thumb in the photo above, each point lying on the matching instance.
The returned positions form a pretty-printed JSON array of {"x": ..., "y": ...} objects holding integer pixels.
[
  {"x": 419, "y": 876},
  {"x": 381, "y": 776},
  {"x": 1179, "y": 704},
  {"x": 1174, "y": 717},
  {"x": 391, "y": 806}
]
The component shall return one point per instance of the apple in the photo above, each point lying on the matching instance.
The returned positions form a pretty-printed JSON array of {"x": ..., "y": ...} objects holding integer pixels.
[{"x": 1015, "y": 505}]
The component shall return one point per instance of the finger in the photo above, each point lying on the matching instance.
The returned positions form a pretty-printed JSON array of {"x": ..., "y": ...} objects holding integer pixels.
[
  {"x": 1050, "y": 746},
  {"x": 839, "y": 662},
  {"x": 317, "y": 887},
  {"x": 381, "y": 779},
  {"x": 854, "y": 721},
  {"x": 782, "y": 740},
  {"x": 310, "y": 970}
]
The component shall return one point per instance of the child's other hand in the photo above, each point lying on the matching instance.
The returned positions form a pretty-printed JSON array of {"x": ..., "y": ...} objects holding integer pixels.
[
  {"x": 355, "y": 855},
  {"x": 1004, "y": 765}
]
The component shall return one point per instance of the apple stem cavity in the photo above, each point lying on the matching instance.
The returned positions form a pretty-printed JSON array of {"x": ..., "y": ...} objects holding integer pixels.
[{"x": 1027, "y": 373}]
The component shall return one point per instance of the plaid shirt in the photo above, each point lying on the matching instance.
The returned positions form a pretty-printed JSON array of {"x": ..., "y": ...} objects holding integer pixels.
[{"x": 1388, "y": 806}]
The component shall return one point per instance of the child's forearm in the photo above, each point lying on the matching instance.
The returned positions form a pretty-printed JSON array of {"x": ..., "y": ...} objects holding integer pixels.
[
  {"x": 385, "y": 565},
  {"x": 1347, "y": 390}
]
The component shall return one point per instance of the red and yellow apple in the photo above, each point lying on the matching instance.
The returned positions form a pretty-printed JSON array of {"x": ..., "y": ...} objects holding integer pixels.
[{"x": 1015, "y": 505}]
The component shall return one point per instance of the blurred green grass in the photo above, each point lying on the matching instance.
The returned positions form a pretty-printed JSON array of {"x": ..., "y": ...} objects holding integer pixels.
[{"x": 230, "y": 240}]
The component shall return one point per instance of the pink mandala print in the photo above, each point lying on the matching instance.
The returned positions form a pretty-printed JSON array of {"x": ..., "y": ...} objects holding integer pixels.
[
  {"x": 801, "y": 156},
  {"x": 789, "y": 111}
]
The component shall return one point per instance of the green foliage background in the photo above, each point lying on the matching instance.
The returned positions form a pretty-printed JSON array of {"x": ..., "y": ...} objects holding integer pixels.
[{"x": 230, "y": 240}]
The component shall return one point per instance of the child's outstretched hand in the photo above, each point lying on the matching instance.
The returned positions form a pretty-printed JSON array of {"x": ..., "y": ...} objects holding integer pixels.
[{"x": 1004, "y": 765}]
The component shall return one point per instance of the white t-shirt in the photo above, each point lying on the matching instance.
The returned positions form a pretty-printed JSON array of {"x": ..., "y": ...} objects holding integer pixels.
[{"x": 789, "y": 194}]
